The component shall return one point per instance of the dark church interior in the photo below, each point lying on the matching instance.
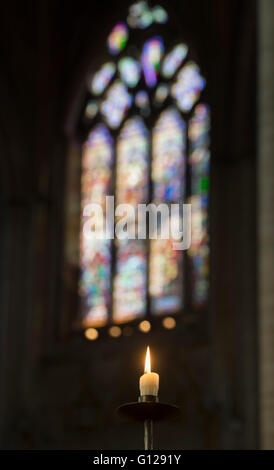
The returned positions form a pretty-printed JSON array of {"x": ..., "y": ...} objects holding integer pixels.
[{"x": 61, "y": 377}]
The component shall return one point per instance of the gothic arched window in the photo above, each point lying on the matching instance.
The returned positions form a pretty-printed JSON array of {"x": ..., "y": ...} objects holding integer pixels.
[{"x": 147, "y": 141}]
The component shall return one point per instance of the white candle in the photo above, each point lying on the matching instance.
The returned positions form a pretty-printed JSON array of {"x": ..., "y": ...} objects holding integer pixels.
[{"x": 149, "y": 382}]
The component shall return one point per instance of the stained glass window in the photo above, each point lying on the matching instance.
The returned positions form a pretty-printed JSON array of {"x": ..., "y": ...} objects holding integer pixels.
[
  {"x": 91, "y": 109},
  {"x": 165, "y": 275},
  {"x": 142, "y": 99},
  {"x": 161, "y": 93},
  {"x": 168, "y": 177},
  {"x": 168, "y": 161},
  {"x": 141, "y": 16},
  {"x": 148, "y": 140},
  {"x": 116, "y": 104},
  {"x": 130, "y": 71},
  {"x": 188, "y": 86},
  {"x": 102, "y": 78},
  {"x": 173, "y": 60},
  {"x": 131, "y": 188},
  {"x": 132, "y": 163},
  {"x": 199, "y": 163},
  {"x": 130, "y": 281},
  {"x": 118, "y": 38},
  {"x": 95, "y": 277},
  {"x": 151, "y": 57}
]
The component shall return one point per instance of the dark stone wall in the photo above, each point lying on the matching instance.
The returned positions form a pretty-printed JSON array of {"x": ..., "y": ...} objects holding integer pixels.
[{"x": 56, "y": 390}]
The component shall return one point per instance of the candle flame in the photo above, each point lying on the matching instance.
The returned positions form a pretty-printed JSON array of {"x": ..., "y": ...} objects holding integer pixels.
[{"x": 147, "y": 362}]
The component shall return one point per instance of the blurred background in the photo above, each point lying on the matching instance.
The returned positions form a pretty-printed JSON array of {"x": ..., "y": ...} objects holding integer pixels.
[{"x": 63, "y": 368}]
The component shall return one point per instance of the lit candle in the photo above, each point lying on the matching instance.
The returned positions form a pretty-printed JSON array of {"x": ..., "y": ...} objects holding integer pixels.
[{"x": 149, "y": 382}]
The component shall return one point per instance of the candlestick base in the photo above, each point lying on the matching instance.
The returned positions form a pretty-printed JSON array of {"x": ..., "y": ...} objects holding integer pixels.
[
  {"x": 147, "y": 410},
  {"x": 148, "y": 407}
]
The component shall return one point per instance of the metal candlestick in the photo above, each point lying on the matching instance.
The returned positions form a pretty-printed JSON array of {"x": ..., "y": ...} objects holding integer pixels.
[
  {"x": 148, "y": 409},
  {"x": 148, "y": 434}
]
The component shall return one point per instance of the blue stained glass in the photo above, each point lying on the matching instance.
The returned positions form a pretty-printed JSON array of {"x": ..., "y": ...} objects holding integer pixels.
[
  {"x": 116, "y": 104},
  {"x": 188, "y": 86},
  {"x": 102, "y": 78},
  {"x": 168, "y": 157},
  {"x": 173, "y": 60}
]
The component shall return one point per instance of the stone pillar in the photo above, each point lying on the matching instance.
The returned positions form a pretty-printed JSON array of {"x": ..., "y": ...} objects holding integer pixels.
[{"x": 266, "y": 221}]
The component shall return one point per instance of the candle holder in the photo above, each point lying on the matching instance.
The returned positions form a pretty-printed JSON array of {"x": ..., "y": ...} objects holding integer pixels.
[{"x": 148, "y": 409}]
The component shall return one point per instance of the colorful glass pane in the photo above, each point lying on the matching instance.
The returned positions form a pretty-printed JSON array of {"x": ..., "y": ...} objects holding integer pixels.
[
  {"x": 116, "y": 104},
  {"x": 151, "y": 57},
  {"x": 129, "y": 275},
  {"x": 188, "y": 86},
  {"x": 199, "y": 161},
  {"x": 91, "y": 109},
  {"x": 95, "y": 254},
  {"x": 130, "y": 71},
  {"x": 159, "y": 14},
  {"x": 168, "y": 157},
  {"x": 165, "y": 274},
  {"x": 161, "y": 93},
  {"x": 173, "y": 60},
  {"x": 102, "y": 78},
  {"x": 132, "y": 163},
  {"x": 118, "y": 38},
  {"x": 131, "y": 188},
  {"x": 141, "y": 15},
  {"x": 142, "y": 99},
  {"x": 129, "y": 298}
]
